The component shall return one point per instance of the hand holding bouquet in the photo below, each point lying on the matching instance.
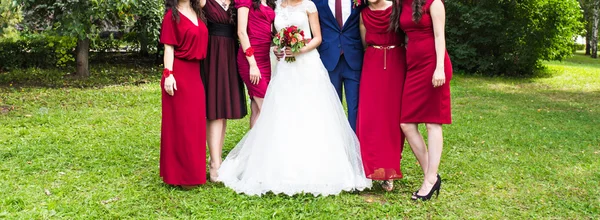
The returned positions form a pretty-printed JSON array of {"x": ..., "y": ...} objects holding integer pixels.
[{"x": 291, "y": 37}]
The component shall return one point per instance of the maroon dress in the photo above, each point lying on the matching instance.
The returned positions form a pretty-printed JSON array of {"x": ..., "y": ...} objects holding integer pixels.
[
  {"x": 421, "y": 102},
  {"x": 225, "y": 96},
  {"x": 183, "y": 134},
  {"x": 380, "y": 95},
  {"x": 260, "y": 22}
]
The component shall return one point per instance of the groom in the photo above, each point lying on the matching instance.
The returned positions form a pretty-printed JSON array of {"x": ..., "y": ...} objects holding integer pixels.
[{"x": 341, "y": 50}]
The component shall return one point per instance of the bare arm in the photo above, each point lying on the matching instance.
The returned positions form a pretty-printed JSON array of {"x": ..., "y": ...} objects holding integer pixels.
[
  {"x": 363, "y": 32},
  {"x": 169, "y": 56},
  {"x": 170, "y": 85},
  {"x": 242, "y": 29},
  {"x": 438, "y": 16},
  {"x": 315, "y": 26}
]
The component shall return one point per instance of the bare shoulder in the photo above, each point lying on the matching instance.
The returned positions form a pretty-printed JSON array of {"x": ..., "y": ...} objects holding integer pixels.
[{"x": 437, "y": 3}]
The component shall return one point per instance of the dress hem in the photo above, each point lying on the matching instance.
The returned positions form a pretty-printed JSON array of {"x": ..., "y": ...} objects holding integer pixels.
[
  {"x": 426, "y": 122},
  {"x": 184, "y": 183}
]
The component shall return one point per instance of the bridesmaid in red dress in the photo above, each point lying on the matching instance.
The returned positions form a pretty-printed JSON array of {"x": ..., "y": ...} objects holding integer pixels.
[
  {"x": 255, "y": 21},
  {"x": 183, "y": 134},
  {"x": 225, "y": 95},
  {"x": 426, "y": 96},
  {"x": 381, "y": 82}
]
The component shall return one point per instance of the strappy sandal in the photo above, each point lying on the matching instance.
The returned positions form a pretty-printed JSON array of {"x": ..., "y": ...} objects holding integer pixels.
[{"x": 387, "y": 185}]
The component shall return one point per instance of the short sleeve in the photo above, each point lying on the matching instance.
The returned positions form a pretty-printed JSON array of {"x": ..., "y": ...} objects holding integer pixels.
[
  {"x": 167, "y": 30},
  {"x": 243, "y": 3},
  {"x": 427, "y": 6},
  {"x": 310, "y": 6}
]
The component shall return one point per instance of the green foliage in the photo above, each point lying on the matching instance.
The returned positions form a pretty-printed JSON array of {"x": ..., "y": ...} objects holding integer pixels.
[
  {"x": 147, "y": 24},
  {"x": 79, "y": 19},
  {"x": 111, "y": 44},
  {"x": 518, "y": 149},
  {"x": 102, "y": 74},
  {"x": 577, "y": 46},
  {"x": 36, "y": 50},
  {"x": 510, "y": 37},
  {"x": 10, "y": 15}
]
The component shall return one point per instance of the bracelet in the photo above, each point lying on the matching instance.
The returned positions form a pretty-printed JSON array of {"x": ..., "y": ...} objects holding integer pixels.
[
  {"x": 167, "y": 73},
  {"x": 249, "y": 52}
]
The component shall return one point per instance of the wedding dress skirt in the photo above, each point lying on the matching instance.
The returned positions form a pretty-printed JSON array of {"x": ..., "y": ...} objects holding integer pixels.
[{"x": 302, "y": 141}]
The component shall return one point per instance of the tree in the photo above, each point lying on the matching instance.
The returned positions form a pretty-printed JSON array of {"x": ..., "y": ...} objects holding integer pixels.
[
  {"x": 594, "y": 35},
  {"x": 10, "y": 15},
  {"x": 79, "y": 19},
  {"x": 510, "y": 37},
  {"x": 147, "y": 25},
  {"x": 584, "y": 4},
  {"x": 590, "y": 13}
]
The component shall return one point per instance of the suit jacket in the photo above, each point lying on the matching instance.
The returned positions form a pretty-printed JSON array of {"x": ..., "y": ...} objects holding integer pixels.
[{"x": 336, "y": 39}]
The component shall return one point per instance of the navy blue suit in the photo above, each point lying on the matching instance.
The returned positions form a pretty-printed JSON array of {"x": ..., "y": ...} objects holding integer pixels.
[{"x": 344, "y": 69}]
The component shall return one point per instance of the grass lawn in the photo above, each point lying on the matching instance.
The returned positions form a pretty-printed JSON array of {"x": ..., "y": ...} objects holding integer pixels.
[{"x": 518, "y": 148}]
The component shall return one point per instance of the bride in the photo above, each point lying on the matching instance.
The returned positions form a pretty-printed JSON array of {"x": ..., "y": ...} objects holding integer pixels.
[{"x": 302, "y": 141}]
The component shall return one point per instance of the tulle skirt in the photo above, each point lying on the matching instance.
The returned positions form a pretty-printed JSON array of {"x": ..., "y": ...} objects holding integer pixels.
[{"x": 302, "y": 141}]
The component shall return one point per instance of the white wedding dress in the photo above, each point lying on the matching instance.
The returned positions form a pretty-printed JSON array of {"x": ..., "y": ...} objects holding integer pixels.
[{"x": 302, "y": 141}]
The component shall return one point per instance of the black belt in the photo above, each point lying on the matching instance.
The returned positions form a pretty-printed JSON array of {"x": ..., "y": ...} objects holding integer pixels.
[{"x": 224, "y": 30}]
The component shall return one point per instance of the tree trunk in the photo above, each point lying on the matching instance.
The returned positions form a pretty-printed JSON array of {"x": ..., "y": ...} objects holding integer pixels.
[
  {"x": 588, "y": 36},
  {"x": 82, "y": 57},
  {"x": 594, "y": 38},
  {"x": 144, "y": 47},
  {"x": 588, "y": 25},
  {"x": 594, "y": 23}
]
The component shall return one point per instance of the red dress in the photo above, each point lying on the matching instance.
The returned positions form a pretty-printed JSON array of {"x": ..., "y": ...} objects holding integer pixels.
[
  {"x": 380, "y": 94},
  {"x": 183, "y": 134},
  {"x": 260, "y": 22},
  {"x": 421, "y": 102},
  {"x": 225, "y": 95}
]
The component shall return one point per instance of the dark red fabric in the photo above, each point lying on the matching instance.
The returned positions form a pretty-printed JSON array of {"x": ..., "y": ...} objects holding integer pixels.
[
  {"x": 225, "y": 95},
  {"x": 380, "y": 94},
  {"x": 421, "y": 102},
  {"x": 338, "y": 13},
  {"x": 183, "y": 133},
  {"x": 259, "y": 31},
  {"x": 188, "y": 45}
]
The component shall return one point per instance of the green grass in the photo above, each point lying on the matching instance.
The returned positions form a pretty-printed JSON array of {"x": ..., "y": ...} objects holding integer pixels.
[{"x": 518, "y": 148}]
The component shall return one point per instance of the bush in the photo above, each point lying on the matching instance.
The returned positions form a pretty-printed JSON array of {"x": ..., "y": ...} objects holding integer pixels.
[
  {"x": 149, "y": 16},
  {"x": 107, "y": 44},
  {"x": 120, "y": 69},
  {"x": 577, "y": 47},
  {"x": 37, "y": 50},
  {"x": 510, "y": 37}
]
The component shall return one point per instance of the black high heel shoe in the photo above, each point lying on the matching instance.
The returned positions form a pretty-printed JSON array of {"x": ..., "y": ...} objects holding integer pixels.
[
  {"x": 439, "y": 179},
  {"x": 435, "y": 189}
]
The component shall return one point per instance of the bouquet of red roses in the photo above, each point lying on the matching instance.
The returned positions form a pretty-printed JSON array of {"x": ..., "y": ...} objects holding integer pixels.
[{"x": 291, "y": 37}]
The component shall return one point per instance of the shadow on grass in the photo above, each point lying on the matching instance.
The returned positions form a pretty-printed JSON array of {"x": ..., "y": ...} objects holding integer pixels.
[{"x": 105, "y": 70}]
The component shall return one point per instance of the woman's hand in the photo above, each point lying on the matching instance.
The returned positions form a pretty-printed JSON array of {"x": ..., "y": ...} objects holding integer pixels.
[
  {"x": 278, "y": 53},
  {"x": 254, "y": 74},
  {"x": 170, "y": 85},
  {"x": 439, "y": 78},
  {"x": 289, "y": 53}
]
